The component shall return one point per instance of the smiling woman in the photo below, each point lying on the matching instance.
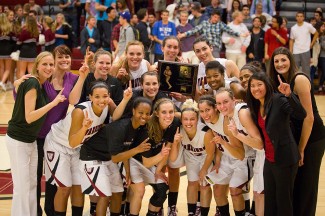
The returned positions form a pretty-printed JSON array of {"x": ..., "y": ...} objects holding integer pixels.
[
  {"x": 62, "y": 146},
  {"x": 150, "y": 89},
  {"x": 192, "y": 147},
  {"x": 132, "y": 65},
  {"x": 28, "y": 116},
  {"x": 281, "y": 152},
  {"x": 103, "y": 62},
  {"x": 309, "y": 132},
  {"x": 161, "y": 130}
]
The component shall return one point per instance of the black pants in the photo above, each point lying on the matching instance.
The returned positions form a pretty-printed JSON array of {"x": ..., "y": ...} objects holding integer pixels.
[
  {"x": 50, "y": 189},
  {"x": 278, "y": 189},
  {"x": 306, "y": 184}
]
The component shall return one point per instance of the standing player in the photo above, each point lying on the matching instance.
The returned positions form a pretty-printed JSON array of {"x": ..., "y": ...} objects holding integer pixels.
[
  {"x": 231, "y": 169},
  {"x": 148, "y": 167},
  {"x": 132, "y": 65},
  {"x": 105, "y": 180},
  {"x": 103, "y": 63},
  {"x": 171, "y": 49},
  {"x": 215, "y": 76},
  {"x": 192, "y": 143},
  {"x": 62, "y": 146},
  {"x": 150, "y": 89},
  {"x": 127, "y": 144},
  {"x": 203, "y": 50},
  {"x": 243, "y": 128}
]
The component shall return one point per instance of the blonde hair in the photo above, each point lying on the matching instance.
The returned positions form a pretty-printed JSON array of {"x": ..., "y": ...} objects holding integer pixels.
[
  {"x": 154, "y": 130},
  {"x": 49, "y": 22},
  {"x": 190, "y": 104},
  {"x": 63, "y": 20},
  {"x": 37, "y": 61},
  {"x": 236, "y": 14},
  {"x": 123, "y": 61},
  {"x": 5, "y": 25}
]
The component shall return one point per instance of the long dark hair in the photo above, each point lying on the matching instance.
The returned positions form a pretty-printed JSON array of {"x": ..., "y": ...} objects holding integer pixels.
[
  {"x": 254, "y": 104},
  {"x": 272, "y": 71}
]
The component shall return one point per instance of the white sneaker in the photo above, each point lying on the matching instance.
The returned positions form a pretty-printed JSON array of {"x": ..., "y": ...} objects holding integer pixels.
[{"x": 3, "y": 87}]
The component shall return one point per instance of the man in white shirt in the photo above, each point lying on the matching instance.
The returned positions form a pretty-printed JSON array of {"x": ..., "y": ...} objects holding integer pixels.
[
  {"x": 300, "y": 42},
  {"x": 236, "y": 46}
]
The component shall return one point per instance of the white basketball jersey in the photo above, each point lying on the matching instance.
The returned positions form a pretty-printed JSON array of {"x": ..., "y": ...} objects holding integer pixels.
[
  {"x": 201, "y": 73},
  {"x": 136, "y": 75},
  {"x": 218, "y": 129},
  {"x": 60, "y": 131},
  {"x": 195, "y": 146},
  {"x": 249, "y": 151}
]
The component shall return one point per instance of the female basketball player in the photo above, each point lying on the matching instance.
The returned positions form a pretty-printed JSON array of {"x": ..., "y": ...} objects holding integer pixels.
[
  {"x": 171, "y": 49},
  {"x": 132, "y": 66},
  {"x": 150, "y": 89},
  {"x": 62, "y": 146},
  {"x": 243, "y": 128},
  {"x": 149, "y": 168},
  {"x": 102, "y": 66},
  {"x": 215, "y": 76},
  {"x": 193, "y": 145},
  {"x": 245, "y": 73},
  {"x": 230, "y": 169},
  {"x": 203, "y": 51}
]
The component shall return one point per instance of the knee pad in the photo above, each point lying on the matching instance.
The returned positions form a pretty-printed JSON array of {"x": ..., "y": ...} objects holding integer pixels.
[{"x": 160, "y": 194}]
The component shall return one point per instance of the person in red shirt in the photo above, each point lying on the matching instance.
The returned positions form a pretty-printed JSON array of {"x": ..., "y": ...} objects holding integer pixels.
[
  {"x": 274, "y": 37},
  {"x": 281, "y": 152}
]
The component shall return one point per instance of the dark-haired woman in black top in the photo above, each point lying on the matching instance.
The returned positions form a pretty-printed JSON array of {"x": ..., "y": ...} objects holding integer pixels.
[
  {"x": 281, "y": 153},
  {"x": 309, "y": 132}
]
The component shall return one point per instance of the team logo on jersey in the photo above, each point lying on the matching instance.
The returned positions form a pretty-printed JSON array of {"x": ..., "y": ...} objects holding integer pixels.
[
  {"x": 89, "y": 170},
  {"x": 50, "y": 155}
]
